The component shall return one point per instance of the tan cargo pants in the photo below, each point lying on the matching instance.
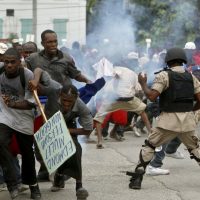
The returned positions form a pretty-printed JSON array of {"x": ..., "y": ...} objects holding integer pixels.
[{"x": 160, "y": 136}]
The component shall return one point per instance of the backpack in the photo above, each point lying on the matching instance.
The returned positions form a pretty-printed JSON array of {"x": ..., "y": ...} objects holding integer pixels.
[{"x": 21, "y": 74}]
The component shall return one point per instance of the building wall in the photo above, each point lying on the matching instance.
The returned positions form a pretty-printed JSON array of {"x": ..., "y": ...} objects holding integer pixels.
[{"x": 48, "y": 13}]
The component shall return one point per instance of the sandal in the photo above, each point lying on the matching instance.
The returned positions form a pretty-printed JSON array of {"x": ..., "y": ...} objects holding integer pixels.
[{"x": 100, "y": 146}]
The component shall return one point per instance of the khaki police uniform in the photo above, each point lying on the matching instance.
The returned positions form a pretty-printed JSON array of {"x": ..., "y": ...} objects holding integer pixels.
[{"x": 171, "y": 125}]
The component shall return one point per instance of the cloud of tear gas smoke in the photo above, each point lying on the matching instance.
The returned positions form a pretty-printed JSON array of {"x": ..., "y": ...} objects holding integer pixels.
[
  {"x": 185, "y": 10},
  {"x": 113, "y": 33},
  {"x": 184, "y": 14}
]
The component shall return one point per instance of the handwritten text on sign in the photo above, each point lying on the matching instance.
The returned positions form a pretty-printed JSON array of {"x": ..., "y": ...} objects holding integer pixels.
[{"x": 54, "y": 142}]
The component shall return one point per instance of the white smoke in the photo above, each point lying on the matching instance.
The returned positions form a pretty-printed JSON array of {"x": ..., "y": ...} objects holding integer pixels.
[{"x": 113, "y": 32}]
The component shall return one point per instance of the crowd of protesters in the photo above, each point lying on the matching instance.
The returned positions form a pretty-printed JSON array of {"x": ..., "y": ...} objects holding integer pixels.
[{"x": 87, "y": 84}]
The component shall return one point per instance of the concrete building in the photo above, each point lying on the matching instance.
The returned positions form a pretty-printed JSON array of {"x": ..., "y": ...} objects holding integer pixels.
[{"x": 28, "y": 18}]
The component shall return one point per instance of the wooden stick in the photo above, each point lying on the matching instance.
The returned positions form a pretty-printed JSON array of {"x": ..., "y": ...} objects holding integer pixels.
[{"x": 39, "y": 104}]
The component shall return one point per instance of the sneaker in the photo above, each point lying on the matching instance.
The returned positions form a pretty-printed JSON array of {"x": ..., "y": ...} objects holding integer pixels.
[
  {"x": 82, "y": 194},
  {"x": 14, "y": 192},
  {"x": 59, "y": 183},
  {"x": 136, "y": 132},
  {"x": 136, "y": 180},
  {"x": 3, "y": 187},
  {"x": 158, "y": 149},
  {"x": 35, "y": 192},
  {"x": 104, "y": 132},
  {"x": 155, "y": 171},
  {"x": 176, "y": 155}
]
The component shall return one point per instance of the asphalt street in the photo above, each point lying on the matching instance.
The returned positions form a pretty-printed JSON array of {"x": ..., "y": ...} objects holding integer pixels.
[{"x": 105, "y": 179}]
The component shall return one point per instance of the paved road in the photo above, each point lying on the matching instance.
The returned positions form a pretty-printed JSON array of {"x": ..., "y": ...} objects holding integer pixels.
[{"x": 104, "y": 177}]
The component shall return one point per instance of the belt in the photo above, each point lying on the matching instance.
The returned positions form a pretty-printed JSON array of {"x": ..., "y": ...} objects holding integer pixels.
[{"x": 125, "y": 98}]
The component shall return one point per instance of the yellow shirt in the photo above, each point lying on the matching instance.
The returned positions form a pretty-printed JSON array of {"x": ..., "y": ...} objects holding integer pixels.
[{"x": 177, "y": 121}]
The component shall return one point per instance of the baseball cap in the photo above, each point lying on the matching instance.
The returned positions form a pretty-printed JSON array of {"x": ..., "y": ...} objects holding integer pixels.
[
  {"x": 3, "y": 48},
  {"x": 190, "y": 45}
]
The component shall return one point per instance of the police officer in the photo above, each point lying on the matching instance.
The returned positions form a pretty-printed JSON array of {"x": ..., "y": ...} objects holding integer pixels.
[{"x": 177, "y": 91}]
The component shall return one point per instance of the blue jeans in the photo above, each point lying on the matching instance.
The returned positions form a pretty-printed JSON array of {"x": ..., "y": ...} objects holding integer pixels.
[
  {"x": 169, "y": 148},
  {"x": 173, "y": 146}
]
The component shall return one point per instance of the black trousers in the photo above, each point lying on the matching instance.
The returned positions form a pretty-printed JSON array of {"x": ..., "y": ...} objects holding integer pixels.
[
  {"x": 25, "y": 143},
  {"x": 73, "y": 166}
]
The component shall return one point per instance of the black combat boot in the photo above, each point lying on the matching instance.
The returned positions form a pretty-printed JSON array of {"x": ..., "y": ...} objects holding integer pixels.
[
  {"x": 82, "y": 194},
  {"x": 136, "y": 179},
  {"x": 14, "y": 192},
  {"x": 35, "y": 192},
  {"x": 59, "y": 182}
]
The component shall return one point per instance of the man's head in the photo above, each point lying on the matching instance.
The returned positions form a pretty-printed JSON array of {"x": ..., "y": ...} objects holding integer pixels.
[
  {"x": 161, "y": 56},
  {"x": 175, "y": 56},
  {"x": 18, "y": 47},
  {"x": 28, "y": 48},
  {"x": 12, "y": 61},
  {"x": 76, "y": 45},
  {"x": 68, "y": 97},
  {"x": 49, "y": 42}
]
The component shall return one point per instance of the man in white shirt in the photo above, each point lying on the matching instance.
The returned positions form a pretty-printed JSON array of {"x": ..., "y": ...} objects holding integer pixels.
[{"x": 120, "y": 94}]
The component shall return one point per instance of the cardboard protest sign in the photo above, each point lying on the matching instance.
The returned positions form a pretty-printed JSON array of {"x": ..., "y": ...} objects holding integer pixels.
[{"x": 54, "y": 142}]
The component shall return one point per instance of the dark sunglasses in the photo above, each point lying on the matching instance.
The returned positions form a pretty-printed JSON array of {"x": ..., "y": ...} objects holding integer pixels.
[{"x": 10, "y": 61}]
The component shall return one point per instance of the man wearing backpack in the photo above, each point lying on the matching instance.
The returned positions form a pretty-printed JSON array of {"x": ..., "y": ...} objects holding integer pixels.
[
  {"x": 16, "y": 117},
  {"x": 3, "y": 48}
]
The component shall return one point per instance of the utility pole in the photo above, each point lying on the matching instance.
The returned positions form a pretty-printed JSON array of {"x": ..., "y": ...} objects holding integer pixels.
[{"x": 34, "y": 8}]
